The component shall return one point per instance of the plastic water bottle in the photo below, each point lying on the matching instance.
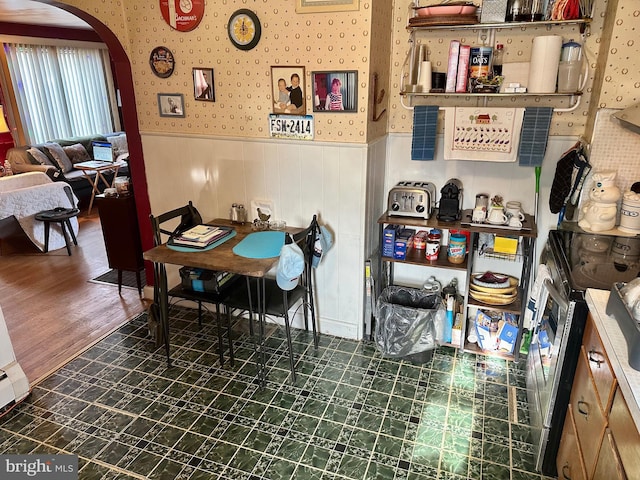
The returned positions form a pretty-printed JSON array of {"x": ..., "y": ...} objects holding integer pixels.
[{"x": 448, "y": 326}]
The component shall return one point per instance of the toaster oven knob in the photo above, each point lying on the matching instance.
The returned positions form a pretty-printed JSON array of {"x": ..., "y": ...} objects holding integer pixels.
[
  {"x": 395, "y": 206},
  {"x": 420, "y": 208}
]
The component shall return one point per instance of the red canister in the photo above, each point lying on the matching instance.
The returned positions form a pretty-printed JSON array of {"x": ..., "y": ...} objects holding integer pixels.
[{"x": 420, "y": 240}]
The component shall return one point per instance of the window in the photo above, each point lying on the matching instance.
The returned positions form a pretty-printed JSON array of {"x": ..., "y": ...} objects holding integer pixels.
[{"x": 61, "y": 91}]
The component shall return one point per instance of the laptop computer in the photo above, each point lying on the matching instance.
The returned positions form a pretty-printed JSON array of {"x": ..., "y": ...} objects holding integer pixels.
[{"x": 103, "y": 152}]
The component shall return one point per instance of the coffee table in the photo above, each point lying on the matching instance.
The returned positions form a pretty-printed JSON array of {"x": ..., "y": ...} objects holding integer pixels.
[
  {"x": 99, "y": 168},
  {"x": 58, "y": 215}
]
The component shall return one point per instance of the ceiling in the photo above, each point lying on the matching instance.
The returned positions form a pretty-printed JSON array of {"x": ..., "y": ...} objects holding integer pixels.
[{"x": 36, "y": 13}]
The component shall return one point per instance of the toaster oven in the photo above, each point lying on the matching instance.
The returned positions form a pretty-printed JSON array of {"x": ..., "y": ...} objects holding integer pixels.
[{"x": 412, "y": 199}]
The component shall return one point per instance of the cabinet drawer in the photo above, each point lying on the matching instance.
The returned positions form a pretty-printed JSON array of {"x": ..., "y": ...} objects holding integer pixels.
[
  {"x": 588, "y": 415},
  {"x": 601, "y": 370},
  {"x": 569, "y": 460},
  {"x": 626, "y": 436},
  {"x": 609, "y": 465}
]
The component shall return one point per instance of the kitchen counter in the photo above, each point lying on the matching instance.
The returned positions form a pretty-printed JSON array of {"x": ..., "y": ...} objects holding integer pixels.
[{"x": 616, "y": 348}]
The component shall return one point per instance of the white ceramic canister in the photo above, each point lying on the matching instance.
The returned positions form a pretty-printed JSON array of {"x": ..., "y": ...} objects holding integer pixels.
[{"x": 630, "y": 213}]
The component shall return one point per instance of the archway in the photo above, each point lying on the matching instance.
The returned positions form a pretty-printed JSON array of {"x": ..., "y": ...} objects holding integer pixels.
[{"x": 124, "y": 79}]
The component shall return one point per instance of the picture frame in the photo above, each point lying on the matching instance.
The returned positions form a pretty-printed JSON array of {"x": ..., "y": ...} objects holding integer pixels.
[
  {"x": 345, "y": 100},
  {"x": 292, "y": 99},
  {"x": 203, "y": 84},
  {"x": 316, "y": 6},
  {"x": 171, "y": 105}
]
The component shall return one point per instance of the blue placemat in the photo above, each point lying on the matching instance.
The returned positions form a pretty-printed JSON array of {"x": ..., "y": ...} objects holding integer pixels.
[
  {"x": 260, "y": 245},
  {"x": 180, "y": 248}
]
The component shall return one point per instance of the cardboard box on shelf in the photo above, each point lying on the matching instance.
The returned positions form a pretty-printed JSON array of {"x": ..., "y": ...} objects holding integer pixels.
[
  {"x": 389, "y": 240},
  {"x": 496, "y": 330}
]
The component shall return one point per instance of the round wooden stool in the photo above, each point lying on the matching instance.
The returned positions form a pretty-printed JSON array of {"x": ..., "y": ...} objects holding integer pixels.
[{"x": 58, "y": 215}]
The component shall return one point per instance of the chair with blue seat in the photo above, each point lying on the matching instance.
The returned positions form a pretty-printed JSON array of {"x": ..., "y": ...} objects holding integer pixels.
[{"x": 277, "y": 301}]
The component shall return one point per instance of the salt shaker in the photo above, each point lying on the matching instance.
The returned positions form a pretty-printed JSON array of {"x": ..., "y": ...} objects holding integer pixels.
[
  {"x": 233, "y": 213},
  {"x": 242, "y": 214}
]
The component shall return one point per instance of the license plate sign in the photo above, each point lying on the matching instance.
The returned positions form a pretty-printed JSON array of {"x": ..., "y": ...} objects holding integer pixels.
[{"x": 291, "y": 126}]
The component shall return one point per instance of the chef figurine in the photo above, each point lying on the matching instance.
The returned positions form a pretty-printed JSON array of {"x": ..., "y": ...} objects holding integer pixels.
[{"x": 599, "y": 212}]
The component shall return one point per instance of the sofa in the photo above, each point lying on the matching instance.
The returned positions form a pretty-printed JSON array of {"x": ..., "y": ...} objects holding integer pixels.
[{"x": 57, "y": 157}]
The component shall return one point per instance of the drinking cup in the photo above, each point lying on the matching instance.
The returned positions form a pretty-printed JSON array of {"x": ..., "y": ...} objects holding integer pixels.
[
  {"x": 515, "y": 213},
  {"x": 515, "y": 222},
  {"x": 497, "y": 216},
  {"x": 479, "y": 215}
]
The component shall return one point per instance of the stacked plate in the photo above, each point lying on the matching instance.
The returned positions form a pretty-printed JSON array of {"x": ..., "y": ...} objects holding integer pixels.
[{"x": 493, "y": 288}]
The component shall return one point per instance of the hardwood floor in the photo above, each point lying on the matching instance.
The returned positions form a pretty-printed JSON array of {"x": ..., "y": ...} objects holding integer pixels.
[{"x": 51, "y": 309}]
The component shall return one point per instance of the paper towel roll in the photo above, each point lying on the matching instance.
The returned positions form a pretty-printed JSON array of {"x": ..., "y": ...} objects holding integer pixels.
[
  {"x": 543, "y": 70},
  {"x": 424, "y": 79}
]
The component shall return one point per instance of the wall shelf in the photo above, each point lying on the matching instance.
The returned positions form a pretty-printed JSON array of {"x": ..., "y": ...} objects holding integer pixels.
[
  {"x": 486, "y": 32},
  {"x": 581, "y": 22},
  {"x": 469, "y": 95}
]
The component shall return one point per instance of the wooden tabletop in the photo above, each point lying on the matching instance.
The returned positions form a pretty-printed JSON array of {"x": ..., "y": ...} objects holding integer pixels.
[
  {"x": 529, "y": 225},
  {"x": 98, "y": 165},
  {"x": 219, "y": 258}
]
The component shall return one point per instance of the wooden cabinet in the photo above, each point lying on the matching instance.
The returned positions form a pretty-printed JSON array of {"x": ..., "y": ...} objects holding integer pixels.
[
  {"x": 600, "y": 366},
  {"x": 599, "y": 427},
  {"x": 119, "y": 221},
  {"x": 589, "y": 419},
  {"x": 626, "y": 436},
  {"x": 609, "y": 466},
  {"x": 569, "y": 460}
]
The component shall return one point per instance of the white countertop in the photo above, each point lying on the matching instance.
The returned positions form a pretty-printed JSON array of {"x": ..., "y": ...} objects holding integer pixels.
[{"x": 616, "y": 347}]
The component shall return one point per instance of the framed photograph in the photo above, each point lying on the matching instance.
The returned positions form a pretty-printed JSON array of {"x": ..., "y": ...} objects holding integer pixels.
[
  {"x": 315, "y": 6},
  {"x": 171, "y": 104},
  {"x": 203, "y": 88},
  {"x": 335, "y": 92},
  {"x": 287, "y": 87}
]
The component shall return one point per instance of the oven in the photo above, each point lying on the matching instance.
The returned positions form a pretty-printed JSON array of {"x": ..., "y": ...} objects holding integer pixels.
[{"x": 576, "y": 261}]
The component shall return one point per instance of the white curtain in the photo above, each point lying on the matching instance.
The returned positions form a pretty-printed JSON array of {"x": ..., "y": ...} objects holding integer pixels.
[{"x": 61, "y": 92}]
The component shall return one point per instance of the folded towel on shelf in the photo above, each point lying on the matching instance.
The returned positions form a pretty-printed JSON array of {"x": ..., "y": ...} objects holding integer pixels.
[{"x": 483, "y": 134}]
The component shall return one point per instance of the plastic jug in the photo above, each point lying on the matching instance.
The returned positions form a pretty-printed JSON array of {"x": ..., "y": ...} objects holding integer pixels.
[{"x": 571, "y": 52}]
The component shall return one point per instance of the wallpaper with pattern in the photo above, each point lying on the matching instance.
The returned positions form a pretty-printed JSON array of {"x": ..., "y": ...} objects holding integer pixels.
[
  {"x": 339, "y": 41},
  {"x": 317, "y": 42}
]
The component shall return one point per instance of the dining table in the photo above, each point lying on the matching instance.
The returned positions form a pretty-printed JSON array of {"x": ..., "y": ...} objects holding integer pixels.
[{"x": 221, "y": 258}]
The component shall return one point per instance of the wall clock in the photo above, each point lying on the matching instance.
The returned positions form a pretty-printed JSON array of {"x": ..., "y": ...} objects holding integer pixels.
[
  {"x": 182, "y": 15},
  {"x": 162, "y": 62},
  {"x": 244, "y": 29}
]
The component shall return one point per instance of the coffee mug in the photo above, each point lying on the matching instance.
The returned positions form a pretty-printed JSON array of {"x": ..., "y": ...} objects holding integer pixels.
[
  {"x": 479, "y": 215},
  {"x": 497, "y": 216},
  {"x": 515, "y": 212},
  {"x": 515, "y": 222}
]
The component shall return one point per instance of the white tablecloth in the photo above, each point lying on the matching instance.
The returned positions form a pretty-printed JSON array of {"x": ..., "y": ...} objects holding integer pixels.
[{"x": 26, "y": 194}]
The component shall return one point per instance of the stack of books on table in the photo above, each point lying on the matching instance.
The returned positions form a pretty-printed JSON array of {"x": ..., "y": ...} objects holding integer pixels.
[{"x": 200, "y": 236}]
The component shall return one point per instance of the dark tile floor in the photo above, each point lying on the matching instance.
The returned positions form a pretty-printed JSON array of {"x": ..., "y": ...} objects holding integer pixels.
[{"x": 351, "y": 415}]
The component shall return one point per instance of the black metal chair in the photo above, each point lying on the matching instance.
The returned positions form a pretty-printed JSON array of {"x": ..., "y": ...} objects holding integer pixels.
[
  {"x": 277, "y": 301},
  {"x": 189, "y": 216}
]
